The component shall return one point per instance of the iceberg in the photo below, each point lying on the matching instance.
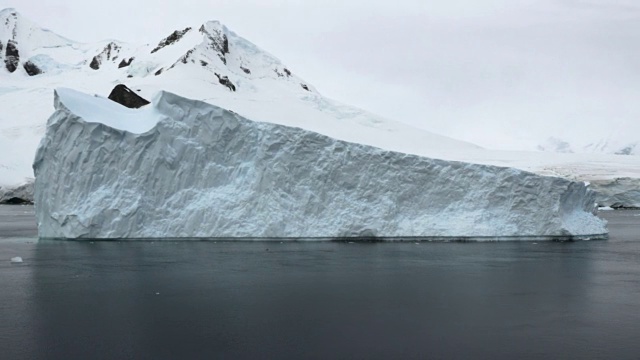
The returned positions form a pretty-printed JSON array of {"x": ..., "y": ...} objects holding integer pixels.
[
  {"x": 618, "y": 193},
  {"x": 185, "y": 169}
]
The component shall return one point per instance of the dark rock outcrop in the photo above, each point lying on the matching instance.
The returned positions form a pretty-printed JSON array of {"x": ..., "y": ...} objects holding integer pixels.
[
  {"x": 175, "y": 36},
  {"x": 125, "y": 63},
  {"x": 1, "y": 46},
  {"x": 32, "y": 69},
  {"x": 305, "y": 87},
  {"x": 246, "y": 71},
  {"x": 203, "y": 63},
  {"x": 110, "y": 52},
  {"x": 217, "y": 41},
  {"x": 127, "y": 97},
  {"x": 225, "y": 44},
  {"x": 12, "y": 56},
  {"x": 224, "y": 80},
  {"x": 158, "y": 72},
  {"x": 627, "y": 150},
  {"x": 185, "y": 58},
  {"x": 17, "y": 201},
  {"x": 286, "y": 71},
  {"x": 95, "y": 63}
]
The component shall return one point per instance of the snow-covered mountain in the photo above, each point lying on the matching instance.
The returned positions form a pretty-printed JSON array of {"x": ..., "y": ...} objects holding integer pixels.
[
  {"x": 602, "y": 146},
  {"x": 211, "y": 63},
  {"x": 205, "y": 61}
]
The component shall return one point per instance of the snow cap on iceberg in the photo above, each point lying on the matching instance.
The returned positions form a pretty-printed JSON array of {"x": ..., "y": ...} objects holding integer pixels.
[{"x": 97, "y": 109}]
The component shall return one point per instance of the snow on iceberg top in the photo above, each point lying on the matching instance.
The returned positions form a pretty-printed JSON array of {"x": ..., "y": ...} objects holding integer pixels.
[{"x": 96, "y": 109}]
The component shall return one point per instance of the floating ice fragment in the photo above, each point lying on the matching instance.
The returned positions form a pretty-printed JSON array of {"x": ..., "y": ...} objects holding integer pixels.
[
  {"x": 605, "y": 208},
  {"x": 16, "y": 260}
]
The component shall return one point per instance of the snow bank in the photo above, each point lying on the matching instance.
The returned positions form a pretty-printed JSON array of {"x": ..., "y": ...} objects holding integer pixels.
[
  {"x": 97, "y": 109},
  {"x": 204, "y": 172}
]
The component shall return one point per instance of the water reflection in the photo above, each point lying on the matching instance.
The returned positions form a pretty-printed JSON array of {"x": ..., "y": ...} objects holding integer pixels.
[{"x": 380, "y": 300}]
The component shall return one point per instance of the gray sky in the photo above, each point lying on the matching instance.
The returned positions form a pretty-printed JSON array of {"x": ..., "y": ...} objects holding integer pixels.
[{"x": 469, "y": 68}]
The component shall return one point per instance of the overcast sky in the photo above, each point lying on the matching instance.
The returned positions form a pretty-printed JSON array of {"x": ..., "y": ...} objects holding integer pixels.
[{"x": 468, "y": 68}]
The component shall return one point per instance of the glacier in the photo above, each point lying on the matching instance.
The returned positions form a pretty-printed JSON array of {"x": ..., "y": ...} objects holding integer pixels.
[{"x": 181, "y": 169}]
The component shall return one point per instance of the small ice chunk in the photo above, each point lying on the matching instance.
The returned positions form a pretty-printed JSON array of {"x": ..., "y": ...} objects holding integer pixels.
[
  {"x": 16, "y": 260},
  {"x": 605, "y": 208}
]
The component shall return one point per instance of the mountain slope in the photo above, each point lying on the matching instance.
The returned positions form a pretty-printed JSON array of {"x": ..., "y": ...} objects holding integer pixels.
[{"x": 206, "y": 62}]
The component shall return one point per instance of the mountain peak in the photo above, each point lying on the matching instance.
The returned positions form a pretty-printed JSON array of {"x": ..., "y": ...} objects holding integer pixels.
[
  {"x": 215, "y": 23},
  {"x": 14, "y": 26},
  {"x": 208, "y": 49},
  {"x": 9, "y": 24}
]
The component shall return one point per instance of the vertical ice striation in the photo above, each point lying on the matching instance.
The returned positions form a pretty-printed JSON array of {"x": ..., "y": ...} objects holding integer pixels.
[{"x": 186, "y": 169}]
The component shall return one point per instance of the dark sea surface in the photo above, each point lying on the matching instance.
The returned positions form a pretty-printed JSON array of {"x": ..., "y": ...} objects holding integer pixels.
[{"x": 210, "y": 300}]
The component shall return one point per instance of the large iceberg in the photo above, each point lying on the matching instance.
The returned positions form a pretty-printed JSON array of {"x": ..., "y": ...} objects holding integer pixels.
[{"x": 181, "y": 168}]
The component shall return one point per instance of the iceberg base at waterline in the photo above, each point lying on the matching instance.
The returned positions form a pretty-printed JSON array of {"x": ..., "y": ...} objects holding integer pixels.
[{"x": 185, "y": 169}]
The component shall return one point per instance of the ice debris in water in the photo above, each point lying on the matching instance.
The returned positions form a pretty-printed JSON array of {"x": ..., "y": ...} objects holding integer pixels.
[{"x": 16, "y": 260}]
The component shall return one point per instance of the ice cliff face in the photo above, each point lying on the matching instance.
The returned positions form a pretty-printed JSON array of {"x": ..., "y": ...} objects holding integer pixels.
[
  {"x": 618, "y": 193},
  {"x": 195, "y": 170}
]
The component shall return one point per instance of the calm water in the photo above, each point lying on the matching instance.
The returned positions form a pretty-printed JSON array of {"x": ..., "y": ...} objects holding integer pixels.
[{"x": 204, "y": 300}]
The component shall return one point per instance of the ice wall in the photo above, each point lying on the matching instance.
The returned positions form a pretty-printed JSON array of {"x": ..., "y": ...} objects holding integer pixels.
[
  {"x": 204, "y": 172},
  {"x": 618, "y": 193}
]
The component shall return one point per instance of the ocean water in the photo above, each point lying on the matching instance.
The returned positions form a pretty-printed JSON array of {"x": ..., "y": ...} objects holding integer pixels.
[{"x": 204, "y": 300}]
